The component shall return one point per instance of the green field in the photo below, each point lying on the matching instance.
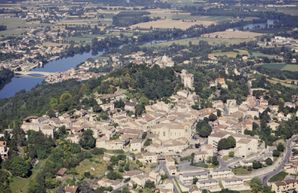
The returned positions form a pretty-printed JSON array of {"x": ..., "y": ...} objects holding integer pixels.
[
  {"x": 291, "y": 67},
  {"x": 240, "y": 171},
  {"x": 278, "y": 177},
  {"x": 282, "y": 67},
  {"x": 18, "y": 184},
  {"x": 211, "y": 41},
  {"x": 16, "y": 26},
  {"x": 96, "y": 166}
]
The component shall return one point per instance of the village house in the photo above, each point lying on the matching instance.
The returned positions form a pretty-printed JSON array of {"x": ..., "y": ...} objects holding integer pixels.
[
  {"x": 186, "y": 178},
  {"x": 221, "y": 173},
  {"x": 3, "y": 150},
  {"x": 110, "y": 183},
  {"x": 71, "y": 189},
  {"x": 234, "y": 184},
  {"x": 136, "y": 145},
  {"x": 285, "y": 186},
  {"x": 166, "y": 187},
  {"x": 187, "y": 79},
  {"x": 210, "y": 184},
  {"x": 147, "y": 157}
]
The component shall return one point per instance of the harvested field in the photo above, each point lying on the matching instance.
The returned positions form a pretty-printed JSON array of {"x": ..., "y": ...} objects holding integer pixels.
[
  {"x": 169, "y": 24},
  {"x": 230, "y": 34}
]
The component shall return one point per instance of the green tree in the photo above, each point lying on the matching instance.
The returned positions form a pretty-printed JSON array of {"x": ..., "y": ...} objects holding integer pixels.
[
  {"x": 203, "y": 128},
  {"x": 226, "y": 143},
  {"x": 18, "y": 166},
  {"x": 87, "y": 140},
  {"x": 139, "y": 109},
  {"x": 119, "y": 104},
  {"x": 4, "y": 182},
  {"x": 269, "y": 161},
  {"x": 256, "y": 165},
  {"x": 280, "y": 147},
  {"x": 212, "y": 117},
  {"x": 149, "y": 184}
]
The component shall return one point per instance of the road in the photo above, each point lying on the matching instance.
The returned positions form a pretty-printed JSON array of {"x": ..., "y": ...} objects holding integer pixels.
[
  {"x": 267, "y": 172},
  {"x": 281, "y": 164},
  {"x": 171, "y": 177}
]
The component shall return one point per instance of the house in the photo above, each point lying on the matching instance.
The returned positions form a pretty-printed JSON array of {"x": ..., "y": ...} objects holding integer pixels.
[
  {"x": 71, "y": 189},
  {"x": 291, "y": 167},
  {"x": 129, "y": 174},
  {"x": 211, "y": 184},
  {"x": 187, "y": 178},
  {"x": 3, "y": 150},
  {"x": 171, "y": 165},
  {"x": 139, "y": 180},
  {"x": 166, "y": 187},
  {"x": 221, "y": 173},
  {"x": 285, "y": 186},
  {"x": 61, "y": 172},
  {"x": 136, "y": 145},
  {"x": 147, "y": 157},
  {"x": 109, "y": 183},
  {"x": 234, "y": 184},
  {"x": 245, "y": 147},
  {"x": 187, "y": 79}
]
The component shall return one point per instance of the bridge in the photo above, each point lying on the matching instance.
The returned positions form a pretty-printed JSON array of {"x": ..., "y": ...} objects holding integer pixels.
[{"x": 35, "y": 74}]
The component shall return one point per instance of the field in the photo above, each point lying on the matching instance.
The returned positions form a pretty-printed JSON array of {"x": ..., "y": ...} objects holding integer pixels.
[
  {"x": 18, "y": 184},
  {"x": 278, "y": 177},
  {"x": 230, "y": 54},
  {"x": 170, "y": 24},
  {"x": 282, "y": 66},
  {"x": 230, "y": 34},
  {"x": 211, "y": 41},
  {"x": 240, "y": 171},
  {"x": 96, "y": 166},
  {"x": 16, "y": 26}
]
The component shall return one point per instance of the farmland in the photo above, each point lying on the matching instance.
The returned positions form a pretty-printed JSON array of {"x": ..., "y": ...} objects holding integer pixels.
[
  {"x": 231, "y": 34},
  {"x": 170, "y": 24},
  {"x": 282, "y": 67}
]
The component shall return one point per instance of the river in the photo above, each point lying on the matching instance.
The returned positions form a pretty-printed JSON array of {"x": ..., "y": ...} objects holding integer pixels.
[{"x": 19, "y": 83}]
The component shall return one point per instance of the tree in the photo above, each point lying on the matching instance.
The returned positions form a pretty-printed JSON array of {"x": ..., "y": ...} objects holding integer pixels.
[
  {"x": 195, "y": 180},
  {"x": 114, "y": 175},
  {"x": 213, "y": 160},
  {"x": 60, "y": 133},
  {"x": 269, "y": 161},
  {"x": 39, "y": 145},
  {"x": 149, "y": 184},
  {"x": 19, "y": 166},
  {"x": 203, "y": 128},
  {"x": 119, "y": 104},
  {"x": 275, "y": 153},
  {"x": 4, "y": 182},
  {"x": 280, "y": 147},
  {"x": 226, "y": 143},
  {"x": 256, "y": 185},
  {"x": 256, "y": 165},
  {"x": 87, "y": 140},
  {"x": 212, "y": 117},
  {"x": 139, "y": 109}
]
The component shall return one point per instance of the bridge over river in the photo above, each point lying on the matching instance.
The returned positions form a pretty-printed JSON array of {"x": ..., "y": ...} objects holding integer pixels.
[{"x": 36, "y": 74}]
